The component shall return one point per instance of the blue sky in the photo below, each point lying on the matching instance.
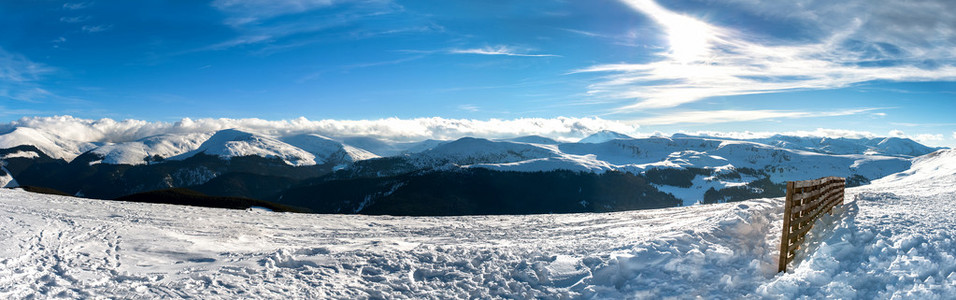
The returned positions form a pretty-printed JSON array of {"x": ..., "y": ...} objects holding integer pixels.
[{"x": 872, "y": 67}]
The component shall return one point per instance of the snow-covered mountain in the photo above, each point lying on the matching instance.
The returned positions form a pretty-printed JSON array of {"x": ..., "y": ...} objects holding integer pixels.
[
  {"x": 708, "y": 163},
  {"x": 466, "y": 151},
  {"x": 603, "y": 136},
  {"x": 148, "y": 149},
  {"x": 637, "y": 155},
  {"x": 327, "y": 150},
  {"x": 388, "y": 148},
  {"x": 231, "y": 143},
  {"x": 49, "y": 143},
  {"x": 889, "y": 146}
]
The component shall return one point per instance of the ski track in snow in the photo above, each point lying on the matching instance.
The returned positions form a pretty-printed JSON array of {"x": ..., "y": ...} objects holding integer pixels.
[{"x": 892, "y": 239}]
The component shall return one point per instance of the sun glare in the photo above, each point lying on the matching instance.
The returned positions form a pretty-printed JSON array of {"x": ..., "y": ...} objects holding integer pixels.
[{"x": 688, "y": 40}]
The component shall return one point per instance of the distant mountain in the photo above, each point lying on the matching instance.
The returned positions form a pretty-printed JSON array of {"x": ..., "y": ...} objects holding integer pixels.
[
  {"x": 231, "y": 143},
  {"x": 327, "y": 150},
  {"x": 533, "y": 139},
  {"x": 603, "y": 136},
  {"x": 49, "y": 143},
  {"x": 890, "y": 146},
  {"x": 150, "y": 149},
  {"x": 386, "y": 148},
  {"x": 295, "y": 169}
]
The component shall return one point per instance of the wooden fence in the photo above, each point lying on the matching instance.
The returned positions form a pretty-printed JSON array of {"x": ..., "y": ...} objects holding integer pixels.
[{"x": 806, "y": 201}]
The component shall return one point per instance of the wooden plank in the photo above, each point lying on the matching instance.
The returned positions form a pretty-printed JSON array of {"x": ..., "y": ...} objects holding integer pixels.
[{"x": 784, "y": 258}]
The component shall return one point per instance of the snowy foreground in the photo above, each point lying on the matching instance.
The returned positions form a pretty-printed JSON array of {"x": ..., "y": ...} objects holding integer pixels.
[{"x": 894, "y": 238}]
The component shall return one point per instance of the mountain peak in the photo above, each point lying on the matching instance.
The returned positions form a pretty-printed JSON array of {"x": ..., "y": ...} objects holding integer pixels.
[
  {"x": 603, "y": 136},
  {"x": 230, "y": 143}
]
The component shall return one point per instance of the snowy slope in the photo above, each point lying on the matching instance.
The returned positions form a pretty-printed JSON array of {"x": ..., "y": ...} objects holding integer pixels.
[
  {"x": 327, "y": 150},
  {"x": 6, "y": 180},
  {"x": 50, "y": 144},
  {"x": 388, "y": 148},
  {"x": 887, "y": 243},
  {"x": 138, "y": 152},
  {"x": 637, "y": 155},
  {"x": 936, "y": 170},
  {"x": 890, "y": 146},
  {"x": 533, "y": 139},
  {"x": 232, "y": 143},
  {"x": 466, "y": 151},
  {"x": 603, "y": 136}
]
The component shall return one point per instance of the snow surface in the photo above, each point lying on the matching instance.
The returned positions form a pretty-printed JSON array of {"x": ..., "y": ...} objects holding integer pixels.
[{"x": 893, "y": 239}]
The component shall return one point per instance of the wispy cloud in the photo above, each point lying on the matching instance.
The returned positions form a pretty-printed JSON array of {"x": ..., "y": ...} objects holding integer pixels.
[
  {"x": 96, "y": 28},
  {"x": 22, "y": 80},
  {"x": 703, "y": 60},
  {"x": 724, "y": 116},
  {"x": 268, "y": 23},
  {"x": 77, "y": 5},
  {"x": 77, "y": 19},
  {"x": 468, "y": 107},
  {"x": 17, "y": 69},
  {"x": 498, "y": 50}
]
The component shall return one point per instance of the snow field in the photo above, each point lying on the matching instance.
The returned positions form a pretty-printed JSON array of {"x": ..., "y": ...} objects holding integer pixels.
[
  {"x": 72, "y": 247},
  {"x": 893, "y": 239}
]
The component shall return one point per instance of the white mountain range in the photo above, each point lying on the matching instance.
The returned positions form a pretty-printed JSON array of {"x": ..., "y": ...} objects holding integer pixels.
[{"x": 781, "y": 157}]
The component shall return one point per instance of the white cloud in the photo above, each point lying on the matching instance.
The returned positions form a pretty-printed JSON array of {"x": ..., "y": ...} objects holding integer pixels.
[
  {"x": 498, "y": 50},
  {"x": 927, "y": 137},
  {"x": 705, "y": 60},
  {"x": 954, "y": 134},
  {"x": 723, "y": 116},
  {"x": 77, "y": 19},
  {"x": 897, "y": 133},
  {"x": 921, "y": 137},
  {"x": 76, "y": 6},
  {"x": 468, "y": 107},
  {"x": 96, "y": 28},
  {"x": 393, "y": 129}
]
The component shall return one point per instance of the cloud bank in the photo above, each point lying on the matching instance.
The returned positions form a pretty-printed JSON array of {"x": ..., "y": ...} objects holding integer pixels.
[
  {"x": 889, "y": 40},
  {"x": 390, "y": 129}
]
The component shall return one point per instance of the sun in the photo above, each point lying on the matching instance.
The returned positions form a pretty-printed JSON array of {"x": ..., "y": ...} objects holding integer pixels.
[{"x": 689, "y": 40}]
